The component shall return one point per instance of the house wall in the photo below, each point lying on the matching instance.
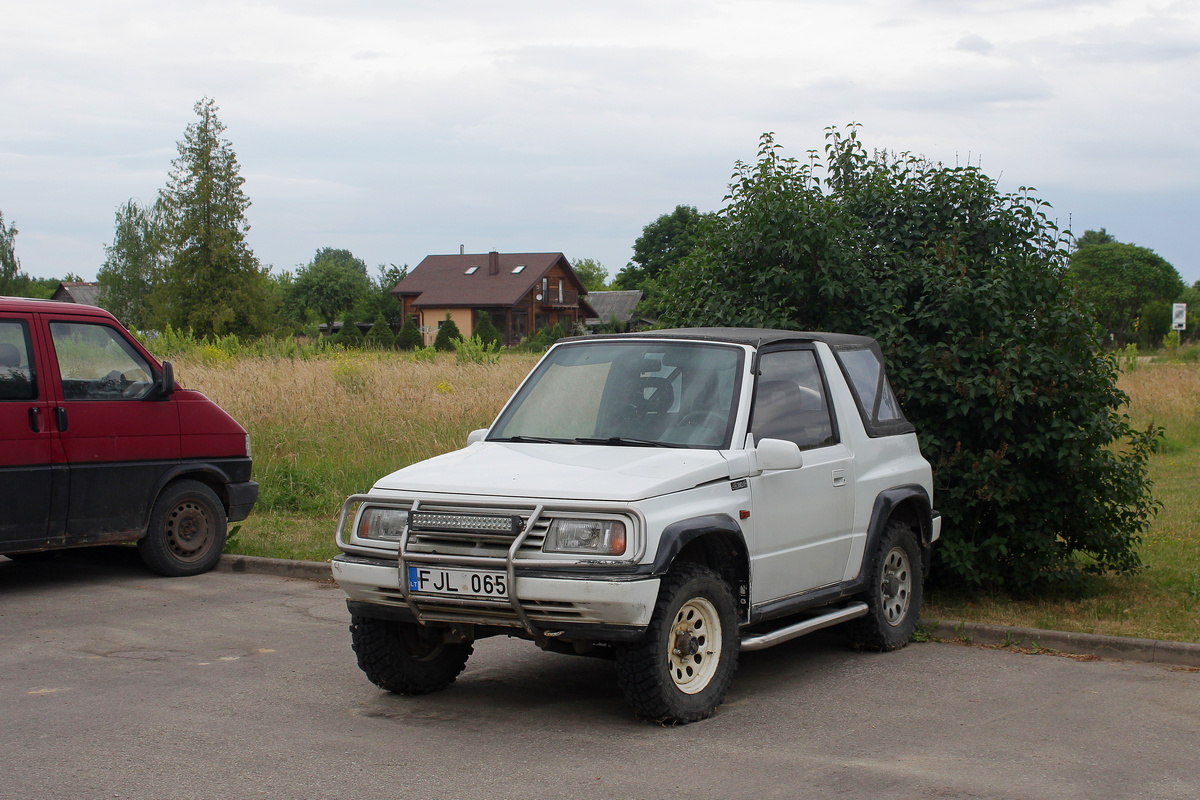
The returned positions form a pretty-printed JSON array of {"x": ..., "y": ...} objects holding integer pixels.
[{"x": 464, "y": 318}]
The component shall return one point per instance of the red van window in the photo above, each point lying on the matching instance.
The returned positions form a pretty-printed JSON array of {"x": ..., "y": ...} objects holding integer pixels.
[
  {"x": 96, "y": 363},
  {"x": 18, "y": 378}
]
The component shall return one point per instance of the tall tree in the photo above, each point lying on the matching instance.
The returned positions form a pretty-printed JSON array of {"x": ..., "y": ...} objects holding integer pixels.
[
  {"x": 133, "y": 264},
  {"x": 1037, "y": 473},
  {"x": 332, "y": 283},
  {"x": 663, "y": 243},
  {"x": 1120, "y": 280},
  {"x": 12, "y": 280},
  {"x": 592, "y": 273},
  {"x": 1101, "y": 236},
  {"x": 212, "y": 282}
]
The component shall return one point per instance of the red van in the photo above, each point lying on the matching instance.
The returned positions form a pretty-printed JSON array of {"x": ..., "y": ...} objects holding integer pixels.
[{"x": 98, "y": 444}]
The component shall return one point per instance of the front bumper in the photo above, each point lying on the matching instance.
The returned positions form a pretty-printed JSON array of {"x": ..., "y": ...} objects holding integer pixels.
[
  {"x": 242, "y": 497},
  {"x": 601, "y": 607}
]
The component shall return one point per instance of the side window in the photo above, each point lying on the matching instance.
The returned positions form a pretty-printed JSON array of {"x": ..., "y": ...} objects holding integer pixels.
[
  {"x": 871, "y": 386},
  {"x": 18, "y": 377},
  {"x": 96, "y": 363},
  {"x": 790, "y": 401}
]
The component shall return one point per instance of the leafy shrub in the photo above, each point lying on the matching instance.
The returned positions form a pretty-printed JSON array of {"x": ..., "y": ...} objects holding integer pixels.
[
  {"x": 425, "y": 354},
  {"x": 1038, "y": 474},
  {"x": 447, "y": 333},
  {"x": 476, "y": 351},
  {"x": 1130, "y": 359}
]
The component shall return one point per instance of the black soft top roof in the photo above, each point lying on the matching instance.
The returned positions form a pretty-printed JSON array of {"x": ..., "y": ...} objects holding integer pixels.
[{"x": 755, "y": 337}]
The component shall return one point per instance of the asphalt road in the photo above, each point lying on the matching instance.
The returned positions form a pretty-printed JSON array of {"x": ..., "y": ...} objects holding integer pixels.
[{"x": 118, "y": 684}]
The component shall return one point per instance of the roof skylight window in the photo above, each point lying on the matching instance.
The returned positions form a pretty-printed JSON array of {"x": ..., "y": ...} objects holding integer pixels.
[
  {"x": 471, "y": 270},
  {"x": 517, "y": 269}
]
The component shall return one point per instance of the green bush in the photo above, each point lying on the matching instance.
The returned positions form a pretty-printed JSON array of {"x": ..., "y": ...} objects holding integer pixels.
[
  {"x": 348, "y": 336},
  {"x": 447, "y": 333},
  {"x": 486, "y": 331},
  {"x": 476, "y": 351},
  {"x": 409, "y": 337},
  {"x": 380, "y": 336},
  {"x": 425, "y": 354},
  {"x": 1037, "y": 472}
]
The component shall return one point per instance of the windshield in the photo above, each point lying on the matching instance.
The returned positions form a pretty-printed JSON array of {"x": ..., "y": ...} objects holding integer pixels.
[{"x": 633, "y": 393}]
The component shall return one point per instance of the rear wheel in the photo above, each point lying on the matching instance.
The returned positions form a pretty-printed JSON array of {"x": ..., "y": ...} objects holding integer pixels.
[
  {"x": 396, "y": 656},
  {"x": 679, "y": 672},
  {"x": 893, "y": 594},
  {"x": 187, "y": 530}
]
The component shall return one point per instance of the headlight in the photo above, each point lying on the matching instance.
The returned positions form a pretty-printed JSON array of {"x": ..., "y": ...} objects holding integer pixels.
[
  {"x": 590, "y": 536},
  {"x": 382, "y": 523}
]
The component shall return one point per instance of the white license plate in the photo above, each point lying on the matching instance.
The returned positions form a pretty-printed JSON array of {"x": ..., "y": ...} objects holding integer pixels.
[{"x": 457, "y": 582}]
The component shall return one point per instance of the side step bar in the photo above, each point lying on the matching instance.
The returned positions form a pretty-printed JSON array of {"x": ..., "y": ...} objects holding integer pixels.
[{"x": 762, "y": 641}]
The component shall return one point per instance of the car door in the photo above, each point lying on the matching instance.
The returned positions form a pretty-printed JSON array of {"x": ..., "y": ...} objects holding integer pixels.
[
  {"x": 802, "y": 517},
  {"x": 118, "y": 433},
  {"x": 27, "y": 469}
]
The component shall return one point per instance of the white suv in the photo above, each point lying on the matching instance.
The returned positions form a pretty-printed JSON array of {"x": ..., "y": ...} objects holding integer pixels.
[{"x": 666, "y": 499}]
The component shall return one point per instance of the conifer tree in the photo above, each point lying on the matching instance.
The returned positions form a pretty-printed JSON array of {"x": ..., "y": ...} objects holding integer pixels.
[{"x": 212, "y": 282}]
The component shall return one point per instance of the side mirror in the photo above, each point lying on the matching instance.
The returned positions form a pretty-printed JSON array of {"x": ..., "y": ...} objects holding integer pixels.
[
  {"x": 476, "y": 436},
  {"x": 778, "y": 454},
  {"x": 166, "y": 384}
]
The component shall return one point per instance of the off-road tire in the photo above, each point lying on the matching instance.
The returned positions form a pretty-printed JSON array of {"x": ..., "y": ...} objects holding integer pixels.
[
  {"x": 695, "y": 607},
  {"x": 893, "y": 594},
  {"x": 397, "y": 658},
  {"x": 187, "y": 530}
]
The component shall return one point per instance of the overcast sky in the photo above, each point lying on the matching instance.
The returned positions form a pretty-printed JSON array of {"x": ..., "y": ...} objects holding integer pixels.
[{"x": 398, "y": 129}]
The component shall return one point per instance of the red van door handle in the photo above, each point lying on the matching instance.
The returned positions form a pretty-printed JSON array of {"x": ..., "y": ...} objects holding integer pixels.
[
  {"x": 34, "y": 421},
  {"x": 60, "y": 416}
]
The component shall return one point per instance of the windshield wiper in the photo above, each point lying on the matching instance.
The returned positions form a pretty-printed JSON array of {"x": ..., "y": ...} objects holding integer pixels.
[
  {"x": 625, "y": 440},
  {"x": 536, "y": 439}
]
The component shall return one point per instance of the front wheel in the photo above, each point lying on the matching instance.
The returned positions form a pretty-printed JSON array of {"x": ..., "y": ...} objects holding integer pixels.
[
  {"x": 679, "y": 672},
  {"x": 187, "y": 530},
  {"x": 893, "y": 593},
  {"x": 403, "y": 657}
]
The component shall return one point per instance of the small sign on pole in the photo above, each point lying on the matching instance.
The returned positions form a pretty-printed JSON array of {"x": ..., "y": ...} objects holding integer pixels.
[{"x": 1179, "y": 316}]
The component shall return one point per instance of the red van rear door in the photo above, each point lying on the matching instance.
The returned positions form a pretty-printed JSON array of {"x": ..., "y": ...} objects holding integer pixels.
[
  {"x": 118, "y": 434},
  {"x": 26, "y": 440}
]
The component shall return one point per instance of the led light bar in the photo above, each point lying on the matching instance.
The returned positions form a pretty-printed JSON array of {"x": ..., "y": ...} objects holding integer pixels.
[{"x": 434, "y": 521}]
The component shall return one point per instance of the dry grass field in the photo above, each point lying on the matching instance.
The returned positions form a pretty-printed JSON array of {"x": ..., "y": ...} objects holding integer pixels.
[{"x": 325, "y": 428}]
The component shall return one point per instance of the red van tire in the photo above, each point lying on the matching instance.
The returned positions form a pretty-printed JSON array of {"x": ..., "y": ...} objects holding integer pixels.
[{"x": 187, "y": 530}]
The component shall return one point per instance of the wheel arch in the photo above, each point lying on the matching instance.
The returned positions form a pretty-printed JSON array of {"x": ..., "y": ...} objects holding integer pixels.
[
  {"x": 908, "y": 504},
  {"x": 210, "y": 475},
  {"x": 715, "y": 541}
]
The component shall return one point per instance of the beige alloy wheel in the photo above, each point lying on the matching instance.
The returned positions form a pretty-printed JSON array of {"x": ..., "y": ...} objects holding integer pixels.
[
  {"x": 895, "y": 586},
  {"x": 694, "y": 646}
]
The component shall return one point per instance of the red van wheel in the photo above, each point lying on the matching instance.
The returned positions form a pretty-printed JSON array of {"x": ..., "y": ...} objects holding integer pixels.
[{"x": 187, "y": 530}]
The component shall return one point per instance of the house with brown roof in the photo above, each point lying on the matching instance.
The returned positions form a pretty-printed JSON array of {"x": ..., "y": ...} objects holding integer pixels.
[{"x": 521, "y": 292}]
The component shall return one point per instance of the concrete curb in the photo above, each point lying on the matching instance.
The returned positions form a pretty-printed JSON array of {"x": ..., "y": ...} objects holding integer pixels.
[
  {"x": 1118, "y": 647},
  {"x": 279, "y": 567}
]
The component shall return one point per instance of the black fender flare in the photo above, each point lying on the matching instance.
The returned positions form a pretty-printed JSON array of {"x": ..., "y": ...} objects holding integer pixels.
[
  {"x": 678, "y": 535},
  {"x": 886, "y": 503}
]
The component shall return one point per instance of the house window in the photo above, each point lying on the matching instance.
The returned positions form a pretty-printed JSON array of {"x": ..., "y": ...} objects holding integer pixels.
[
  {"x": 471, "y": 270},
  {"x": 560, "y": 290},
  {"x": 517, "y": 269}
]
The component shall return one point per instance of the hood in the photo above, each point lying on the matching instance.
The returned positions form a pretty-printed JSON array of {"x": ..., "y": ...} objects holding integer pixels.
[{"x": 561, "y": 471}]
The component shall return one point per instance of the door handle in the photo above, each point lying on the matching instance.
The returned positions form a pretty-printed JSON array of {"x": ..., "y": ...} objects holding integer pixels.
[
  {"x": 60, "y": 417},
  {"x": 34, "y": 421}
]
